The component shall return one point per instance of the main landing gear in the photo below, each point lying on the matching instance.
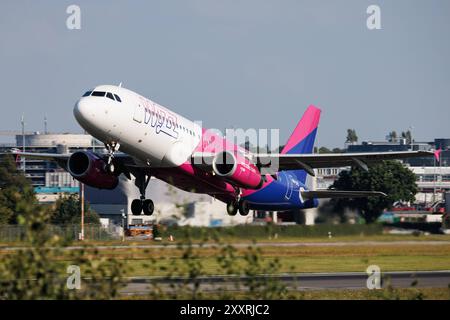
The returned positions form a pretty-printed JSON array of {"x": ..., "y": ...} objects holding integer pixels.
[
  {"x": 142, "y": 205},
  {"x": 239, "y": 204}
]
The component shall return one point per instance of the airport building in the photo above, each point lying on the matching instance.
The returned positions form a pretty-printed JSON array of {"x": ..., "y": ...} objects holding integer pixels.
[
  {"x": 402, "y": 145},
  {"x": 44, "y": 173},
  {"x": 326, "y": 176},
  {"x": 433, "y": 177}
]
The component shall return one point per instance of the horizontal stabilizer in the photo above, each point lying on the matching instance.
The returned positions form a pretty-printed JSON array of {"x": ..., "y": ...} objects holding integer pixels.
[{"x": 341, "y": 194}]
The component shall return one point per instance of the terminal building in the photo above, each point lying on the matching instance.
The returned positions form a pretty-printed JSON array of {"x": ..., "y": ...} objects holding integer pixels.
[{"x": 433, "y": 176}]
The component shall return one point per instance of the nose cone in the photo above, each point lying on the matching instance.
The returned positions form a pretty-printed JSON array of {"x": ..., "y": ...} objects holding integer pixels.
[
  {"x": 79, "y": 109},
  {"x": 83, "y": 112}
]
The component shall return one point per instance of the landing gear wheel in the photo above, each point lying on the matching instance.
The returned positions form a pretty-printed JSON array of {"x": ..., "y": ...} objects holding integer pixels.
[
  {"x": 142, "y": 205},
  {"x": 148, "y": 207},
  {"x": 232, "y": 208},
  {"x": 110, "y": 168},
  {"x": 136, "y": 207},
  {"x": 244, "y": 208}
]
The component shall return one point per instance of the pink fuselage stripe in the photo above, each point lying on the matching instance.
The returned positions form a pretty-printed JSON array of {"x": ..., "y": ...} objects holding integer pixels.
[{"x": 213, "y": 143}]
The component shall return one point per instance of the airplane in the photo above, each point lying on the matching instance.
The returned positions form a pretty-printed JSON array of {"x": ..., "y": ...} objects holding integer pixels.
[{"x": 145, "y": 139}]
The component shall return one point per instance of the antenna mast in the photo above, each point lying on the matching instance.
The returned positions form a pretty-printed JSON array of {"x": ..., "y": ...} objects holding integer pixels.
[{"x": 23, "y": 141}]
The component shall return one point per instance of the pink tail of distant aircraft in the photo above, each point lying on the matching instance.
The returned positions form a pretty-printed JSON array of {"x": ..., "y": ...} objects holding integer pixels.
[{"x": 145, "y": 139}]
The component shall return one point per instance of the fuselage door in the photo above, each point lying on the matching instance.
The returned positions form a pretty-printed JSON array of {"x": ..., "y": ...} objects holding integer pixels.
[
  {"x": 138, "y": 115},
  {"x": 289, "y": 186}
]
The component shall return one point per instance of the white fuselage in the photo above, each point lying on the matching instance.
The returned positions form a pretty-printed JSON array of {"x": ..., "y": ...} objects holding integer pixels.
[{"x": 147, "y": 131}]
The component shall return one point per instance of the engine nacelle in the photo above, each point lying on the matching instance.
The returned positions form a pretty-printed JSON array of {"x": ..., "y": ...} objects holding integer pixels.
[
  {"x": 88, "y": 168},
  {"x": 237, "y": 169}
]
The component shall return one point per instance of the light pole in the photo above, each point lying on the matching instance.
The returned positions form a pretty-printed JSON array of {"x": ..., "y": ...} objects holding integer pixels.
[
  {"x": 82, "y": 210},
  {"x": 412, "y": 140},
  {"x": 123, "y": 224},
  {"x": 23, "y": 142}
]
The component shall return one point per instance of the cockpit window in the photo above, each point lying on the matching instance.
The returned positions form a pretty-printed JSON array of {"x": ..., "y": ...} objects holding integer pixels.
[
  {"x": 117, "y": 98},
  {"x": 98, "y": 93},
  {"x": 109, "y": 95}
]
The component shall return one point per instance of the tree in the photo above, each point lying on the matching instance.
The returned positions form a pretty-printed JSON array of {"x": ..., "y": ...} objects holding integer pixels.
[
  {"x": 408, "y": 136},
  {"x": 324, "y": 150},
  {"x": 393, "y": 136},
  {"x": 16, "y": 192},
  {"x": 337, "y": 150},
  {"x": 390, "y": 177},
  {"x": 68, "y": 210},
  {"x": 351, "y": 136}
]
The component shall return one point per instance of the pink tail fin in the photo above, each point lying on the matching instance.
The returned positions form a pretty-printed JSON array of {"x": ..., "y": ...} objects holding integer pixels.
[{"x": 302, "y": 139}]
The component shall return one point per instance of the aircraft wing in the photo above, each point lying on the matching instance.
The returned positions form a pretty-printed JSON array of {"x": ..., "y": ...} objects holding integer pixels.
[
  {"x": 308, "y": 162},
  {"x": 61, "y": 158},
  {"x": 41, "y": 156},
  {"x": 65, "y": 156},
  {"x": 340, "y": 194}
]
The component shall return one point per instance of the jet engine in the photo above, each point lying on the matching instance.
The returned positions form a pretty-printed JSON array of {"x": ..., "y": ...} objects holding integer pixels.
[
  {"x": 89, "y": 168},
  {"x": 237, "y": 169}
]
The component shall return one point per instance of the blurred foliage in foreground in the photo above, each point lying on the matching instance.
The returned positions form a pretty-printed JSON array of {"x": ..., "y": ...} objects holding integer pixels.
[
  {"x": 250, "y": 269},
  {"x": 39, "y": 271}
]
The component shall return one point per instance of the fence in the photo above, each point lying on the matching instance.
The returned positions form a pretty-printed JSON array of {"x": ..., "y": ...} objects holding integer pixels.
[{"x": 13, "y": 233}]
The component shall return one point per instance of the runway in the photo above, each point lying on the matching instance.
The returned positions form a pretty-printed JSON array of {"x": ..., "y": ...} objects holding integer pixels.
[
  {"x": 300, "y": 281},
  {"x": 245, "y": 245}
]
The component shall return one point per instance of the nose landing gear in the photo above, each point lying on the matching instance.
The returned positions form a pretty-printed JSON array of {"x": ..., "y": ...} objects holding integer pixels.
[
  {"x": 139, "y": 206},
  {"x": 142, "y": 205},
  {"x": 110, "y": 167}
]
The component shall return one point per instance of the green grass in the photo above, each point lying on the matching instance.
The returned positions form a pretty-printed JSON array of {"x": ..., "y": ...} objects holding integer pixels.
[
  {"x": 316, "y": 264},
  {"x": 354, "y": 258},
  {"x": 347, "y": 258},
  {"x": 150, "y": 262}
]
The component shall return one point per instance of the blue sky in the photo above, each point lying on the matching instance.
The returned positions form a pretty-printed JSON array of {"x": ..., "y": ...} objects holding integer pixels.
[{"x": 241, "y": 64}]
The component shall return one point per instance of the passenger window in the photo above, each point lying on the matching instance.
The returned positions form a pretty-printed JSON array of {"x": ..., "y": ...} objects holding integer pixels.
[
  {"x": 87, "y": 93},
  {"x": 109, "y": 95},
  {"x": 117, "y": 98},
  {"x": 98, "y": 94}
]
